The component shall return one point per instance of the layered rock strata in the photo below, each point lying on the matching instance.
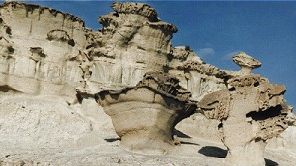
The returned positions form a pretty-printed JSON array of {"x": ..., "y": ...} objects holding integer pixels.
[
  {"x": 133, "y": 41},
  {"x": 144, "y": 116},
  {"x": 251, "y": 111},
  {"x": 56, "y": 54},
  {"x": 52, "y": 54},
  {"x": 36, "y": 43},
  {"x": 195, "y": 75}
]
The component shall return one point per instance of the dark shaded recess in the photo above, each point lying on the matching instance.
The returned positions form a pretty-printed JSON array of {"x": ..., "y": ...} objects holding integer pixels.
[
  {"x": 112, "y": 139},
  {"x": 232, "y": 89},
  {"x": 170, "y": 57},
  {"x": 166, "y": 68},
  {"x": 10, "y": 49},
  {"x": 212, "y": 151},
  {"x": 8, "y": 30},
  {"x": 188, "y": 143},
  {"x": 180, "y": 134},
  {"x": 97, "y": 96},
  {"x": 263, "y": 115},
  {"x": 79, "y": 97},
  {"x": 269, "y": 162},
  {"x": 89, "y": 46},
  {"x": 220, "y": 125},
  {"x": 114, "y": 96},
  {"x": 115, "y": 14},
  {"x": 6, "y": 88},
  {"x": 83, "y": 95},
  {"x": 256, "y": 84},
  {"x": 71, "y": 42}
]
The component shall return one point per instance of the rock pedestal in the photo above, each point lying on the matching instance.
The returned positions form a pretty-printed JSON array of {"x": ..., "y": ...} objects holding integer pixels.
[
  {"x": 52, "y": 54},
  {"x": 145, "y": 116},
  {"x": 251, "y": 111}
]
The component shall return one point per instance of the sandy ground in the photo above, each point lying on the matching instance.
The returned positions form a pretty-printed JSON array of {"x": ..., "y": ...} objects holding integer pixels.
[{"x": 45, "y": 130}]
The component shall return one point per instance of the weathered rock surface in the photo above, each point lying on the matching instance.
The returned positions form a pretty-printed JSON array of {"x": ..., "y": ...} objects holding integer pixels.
[
  {"x": 61, "y": 56},
  {"x": 51, "y": 66},
  {"x": 204, "y": 128},
  {"x": 132, "y": 42},
  {"x": 194, "y": 75},
  {"x": 251, "y": 107},
  {"x": 246, "y": 62},
  {"x": 37, "y": 43},
  {"x": 144, "y": 116},
  {"x": 55, "y": 54},
  {"x": 30, "y": 122}
]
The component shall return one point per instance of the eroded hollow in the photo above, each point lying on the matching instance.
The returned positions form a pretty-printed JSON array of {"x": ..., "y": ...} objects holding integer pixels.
[
  {"x": 6, "y": 88},
  {"x": 268, "y": 113}
]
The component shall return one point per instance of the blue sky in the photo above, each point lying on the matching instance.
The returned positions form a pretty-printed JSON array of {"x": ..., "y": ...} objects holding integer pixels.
[{"x": 216, "y": 30}]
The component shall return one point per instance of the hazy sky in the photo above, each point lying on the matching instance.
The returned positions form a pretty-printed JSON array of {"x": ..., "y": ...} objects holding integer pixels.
[{"x": 216, "y": 30}]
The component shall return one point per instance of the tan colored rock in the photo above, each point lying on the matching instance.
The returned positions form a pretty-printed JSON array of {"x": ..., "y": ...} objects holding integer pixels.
[
  {"x": 285, "y": 141},
  {"x": 47, "y": 55},
  {"x": 136, "y": 8},
  {"x": 199, "y": 127},
  {"x": 144, "y": 116},
  {"x": 37, "y": 44},
  {"x": 246, "y": 62},
  {"x": 30, "y": 122},
  {"x": 60, "y": 35},
  {"x": 55, "y": 54},
  {"x": 251, "y": 111},
  {"x": 131, "y": 43},
  {"x": 195, "y": 75},
  {"x": 216, "y": 105}
]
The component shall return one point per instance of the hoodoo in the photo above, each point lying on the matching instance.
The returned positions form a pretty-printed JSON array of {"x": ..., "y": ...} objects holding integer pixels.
[
  {"x": 70, "y": 95},
  {"x": 251, "y": 111},
  {"x": 144, "y": 116}
]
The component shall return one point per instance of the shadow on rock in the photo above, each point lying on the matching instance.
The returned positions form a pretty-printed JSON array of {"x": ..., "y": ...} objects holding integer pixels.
[
  {"x": 212, "y": 151},
  {"x": 269, "y": 162},
  {"x": 112, "y": 139},
  {"x": 189, "y": 143},
  {"x": 180, "y": 134}
]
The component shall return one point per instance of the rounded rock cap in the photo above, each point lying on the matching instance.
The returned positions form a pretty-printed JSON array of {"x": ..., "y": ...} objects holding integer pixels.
[{"x": 244, "y": 60}]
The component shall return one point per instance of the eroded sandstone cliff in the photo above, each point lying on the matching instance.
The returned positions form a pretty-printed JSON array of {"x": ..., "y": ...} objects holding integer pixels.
[{"x": 52, "y": 68}]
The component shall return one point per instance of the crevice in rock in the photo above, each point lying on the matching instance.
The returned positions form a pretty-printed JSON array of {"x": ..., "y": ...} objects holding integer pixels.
[{"x": 263, "y": 115}]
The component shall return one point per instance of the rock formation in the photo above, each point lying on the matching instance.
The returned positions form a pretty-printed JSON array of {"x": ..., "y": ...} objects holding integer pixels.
[
  {"x": 286, "y": 141},
  {"x": 196, "y": 76},
  {"x": 130, "y": 27},
  {"x": 133, "y": 41},
  {"x": 60, "y": 55},
  {"x": 36, "y": 44},
  {"x": 252, "y": 108},
  {"x": 144, "y": 116},
  {"x": 53, "y": 70}
]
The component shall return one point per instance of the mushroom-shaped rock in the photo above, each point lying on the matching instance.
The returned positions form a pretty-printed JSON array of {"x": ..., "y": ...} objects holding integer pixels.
[
  {"x": 144, "y": 116},
  {"x": 251, "y": 112},
  {"x": 246, "y": 62}
]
